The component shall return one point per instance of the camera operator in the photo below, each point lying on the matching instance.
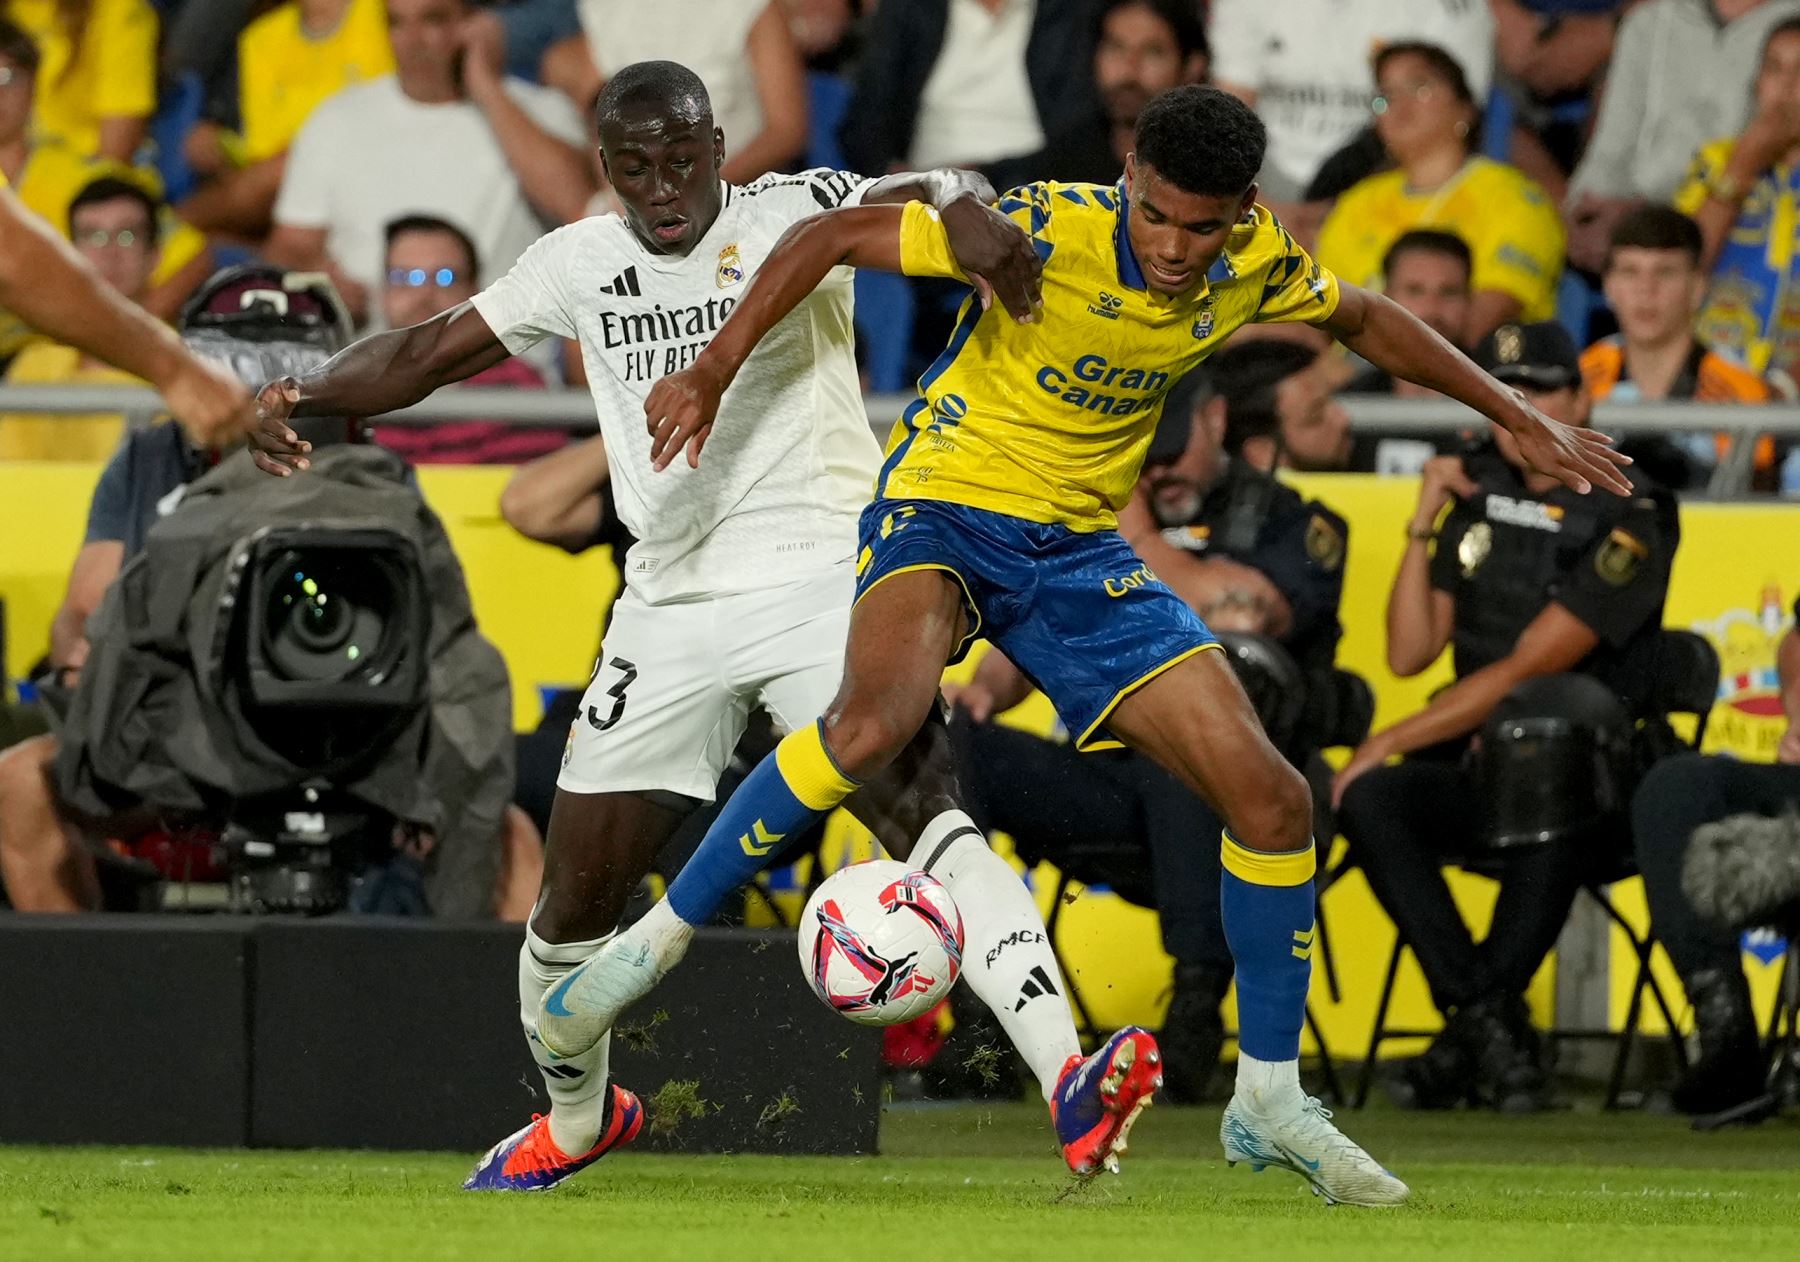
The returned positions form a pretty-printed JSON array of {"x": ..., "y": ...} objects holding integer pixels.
[
  {"x": 1527, "y": 581},
  {"x": 1250, "y": 555},
  {"x": 1678, "y": 796},
  {"x": 257, "y": 322}
]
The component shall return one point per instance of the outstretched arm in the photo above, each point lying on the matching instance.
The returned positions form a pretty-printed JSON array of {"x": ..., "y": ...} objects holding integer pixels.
[
  {"x": 54, "y": 290},
  {"x": 680, "y": 408},
  {"x": 1390, "y": 337},
  {"x": 380, "y": 373}
]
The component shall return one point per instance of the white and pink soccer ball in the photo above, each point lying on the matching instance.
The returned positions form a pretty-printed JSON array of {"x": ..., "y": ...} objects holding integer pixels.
[{"x": 881, "y": 942}]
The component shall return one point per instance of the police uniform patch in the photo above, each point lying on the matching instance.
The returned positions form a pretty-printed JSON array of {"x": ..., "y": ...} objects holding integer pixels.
[
  {"x": 1618, "y": 557},
  {"x": 1324, "y": 542},
  {"x": 1473, "y": 548}
]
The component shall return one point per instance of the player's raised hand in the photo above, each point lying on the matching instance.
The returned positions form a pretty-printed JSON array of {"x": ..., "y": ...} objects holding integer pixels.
[
  {"x": 679, "y": 412},
  {"x": 997, "y": 256},
  {"x": 1578, "y": 458},
  {"x": 274, "y": 446}
]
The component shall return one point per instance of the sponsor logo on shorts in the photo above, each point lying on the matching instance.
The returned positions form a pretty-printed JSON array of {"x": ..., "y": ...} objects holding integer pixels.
[{"x": 1117, "y": 587}]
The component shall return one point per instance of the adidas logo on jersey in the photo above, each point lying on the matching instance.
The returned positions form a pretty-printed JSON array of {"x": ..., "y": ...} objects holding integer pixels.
[{"x": 624, "y": 285}]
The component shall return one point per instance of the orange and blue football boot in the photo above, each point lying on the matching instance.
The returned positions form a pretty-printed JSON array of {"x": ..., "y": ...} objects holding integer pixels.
[
  {"x": 530, "y": 1161},
  {"x": 1098, "y": 1099}
]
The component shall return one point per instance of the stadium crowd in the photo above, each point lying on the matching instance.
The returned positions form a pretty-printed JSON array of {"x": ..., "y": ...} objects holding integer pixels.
[{"x": 1596, "y": 198}]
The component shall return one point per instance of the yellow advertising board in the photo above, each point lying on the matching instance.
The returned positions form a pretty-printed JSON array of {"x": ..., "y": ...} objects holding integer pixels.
[{"x": 1735, "y": 578}]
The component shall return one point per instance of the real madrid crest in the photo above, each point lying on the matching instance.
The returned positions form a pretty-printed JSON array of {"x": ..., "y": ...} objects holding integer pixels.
[
  {"x": 1473, "y": 548},
  {"x": 731, "y": 267}
]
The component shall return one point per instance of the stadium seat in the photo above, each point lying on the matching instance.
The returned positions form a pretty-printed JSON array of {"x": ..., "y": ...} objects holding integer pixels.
[{"x": 1687, "y": 684}]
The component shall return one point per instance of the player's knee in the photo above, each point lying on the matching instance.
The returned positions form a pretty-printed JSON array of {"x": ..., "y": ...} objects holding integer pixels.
[
  {"x": 864, "y": 737},
  {"x": 1280, "y": 816}
]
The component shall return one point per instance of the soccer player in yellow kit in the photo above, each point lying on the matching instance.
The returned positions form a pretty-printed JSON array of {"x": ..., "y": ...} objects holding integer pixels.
[{"x": 994, "y": 517}]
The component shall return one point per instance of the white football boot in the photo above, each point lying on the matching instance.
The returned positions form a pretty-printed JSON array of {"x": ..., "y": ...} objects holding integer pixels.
[{"x": 1296, "y": 1133}]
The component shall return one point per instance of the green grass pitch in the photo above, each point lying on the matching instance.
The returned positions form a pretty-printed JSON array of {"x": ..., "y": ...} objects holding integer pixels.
[{"x": 960, "y": 1182}]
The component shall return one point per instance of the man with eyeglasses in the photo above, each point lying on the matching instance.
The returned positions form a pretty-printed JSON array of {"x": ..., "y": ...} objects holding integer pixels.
[
  {"x": 431, "y": 267},
  {"x": 113, "y": 223}
]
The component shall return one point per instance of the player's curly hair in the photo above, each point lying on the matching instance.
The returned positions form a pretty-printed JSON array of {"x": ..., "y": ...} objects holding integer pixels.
[
  {"x": 1202, "y": 141},
  {"x": 659, "y": 85}
]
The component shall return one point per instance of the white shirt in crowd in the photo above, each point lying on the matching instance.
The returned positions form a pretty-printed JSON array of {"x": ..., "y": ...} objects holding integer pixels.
[
  {"x": 976, "y": 105},
  {"x": 709, "y": 37},
  {"x": 370, "y": 154},
  {"x": 790, "y": 462},
  {"x": 1309, "y": 64}
]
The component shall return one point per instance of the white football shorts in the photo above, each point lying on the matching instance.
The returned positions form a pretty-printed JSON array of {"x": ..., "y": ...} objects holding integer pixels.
[{"x": 676, "y": 683}]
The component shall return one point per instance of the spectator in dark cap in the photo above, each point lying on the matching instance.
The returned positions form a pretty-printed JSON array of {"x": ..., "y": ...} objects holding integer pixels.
[
  {"x": 1250, "y": 554},
  {"x": 1283, "y": 414},
  {"x": 1551, "y": 603}
]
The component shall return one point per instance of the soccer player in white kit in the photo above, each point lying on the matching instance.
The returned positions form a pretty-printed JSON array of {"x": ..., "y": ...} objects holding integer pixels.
[{"x": 739, "y": 590}]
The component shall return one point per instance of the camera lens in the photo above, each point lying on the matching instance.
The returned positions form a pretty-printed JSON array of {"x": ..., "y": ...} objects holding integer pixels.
[
  {"x": 326, "y": 616},
  {"x": 317, "y": 621}
]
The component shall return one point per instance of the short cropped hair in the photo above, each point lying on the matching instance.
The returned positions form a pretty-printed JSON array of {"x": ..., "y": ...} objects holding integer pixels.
[
  {"x": 1202, "y": 140},
  {"x": 1654, "y": 227},
  {"x": 110, "y": 188},
  {"x": 1246, "y": 377},
  {"x": 1428, "y": 241},
  {"x": 662, "y": 85},
  {"x": 398, "y": 228}
]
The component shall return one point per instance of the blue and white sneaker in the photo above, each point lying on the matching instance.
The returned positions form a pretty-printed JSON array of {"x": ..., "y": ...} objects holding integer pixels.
[
  {"x": 1098, "y": 1099},
  {"x": 529, "y": 1160},
  {"x": 1298, "y": 1135}
]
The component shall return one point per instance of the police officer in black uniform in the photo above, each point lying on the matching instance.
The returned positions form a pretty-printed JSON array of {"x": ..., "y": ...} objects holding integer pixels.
[
  {"x": 1524, "y": 581},
  {"x": 1250, "y": 555}
]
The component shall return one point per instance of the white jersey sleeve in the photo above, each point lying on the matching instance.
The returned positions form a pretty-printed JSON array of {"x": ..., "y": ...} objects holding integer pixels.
[
  {"x": 531, "y": 302},
  {"x": 794, "y": 197}
]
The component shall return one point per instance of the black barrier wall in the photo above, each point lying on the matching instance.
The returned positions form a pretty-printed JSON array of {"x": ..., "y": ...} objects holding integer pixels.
[{"x": 359, "y": 1033}]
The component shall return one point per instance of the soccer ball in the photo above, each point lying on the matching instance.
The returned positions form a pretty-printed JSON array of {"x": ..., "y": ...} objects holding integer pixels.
[{"x": 881, "y": 942}]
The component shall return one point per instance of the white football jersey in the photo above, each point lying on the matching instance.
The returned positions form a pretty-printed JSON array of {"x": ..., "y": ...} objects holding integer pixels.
[{"x": 790, "y": 462}]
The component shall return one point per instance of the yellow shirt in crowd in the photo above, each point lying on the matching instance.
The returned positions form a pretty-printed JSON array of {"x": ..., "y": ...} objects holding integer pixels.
[
  {"x": 52, "y": 176},
  {"x": 1508, "y": 221},
  {"x": 41, "y": 436},
  {"x": 1049, "y": 421},
  {"x": 285, "y": 72},
  {"x": 109, "y": 72}
]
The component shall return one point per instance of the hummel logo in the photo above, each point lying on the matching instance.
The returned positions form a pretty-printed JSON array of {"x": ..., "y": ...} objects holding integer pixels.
[
  {"x": 624, "y": 285},
  {"x": 1303, "y": 942},
  {"x": 765, "y": 841},
  {"x": 1037, "y": 984}
]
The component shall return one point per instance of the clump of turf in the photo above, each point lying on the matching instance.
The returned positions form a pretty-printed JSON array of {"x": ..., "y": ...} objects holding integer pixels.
[
  {"x": 776, "y": 1113},
  {"x": 674, "y": 1103},
  {"x": 642, "y": 1037}
]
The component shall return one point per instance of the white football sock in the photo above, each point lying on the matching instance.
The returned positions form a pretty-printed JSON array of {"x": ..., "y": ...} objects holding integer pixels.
[
  {"x": 576, "y": 1086},
  {"x": 1269, "y": 1083},
  {"x": 1007, "y": 958}
]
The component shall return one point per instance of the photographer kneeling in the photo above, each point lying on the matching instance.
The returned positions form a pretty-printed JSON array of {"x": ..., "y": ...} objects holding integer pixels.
[
  {"x": 226, "y": 722},
  {"x": 1250, "y": 555},
  {"x": 1527, "y": 582}
]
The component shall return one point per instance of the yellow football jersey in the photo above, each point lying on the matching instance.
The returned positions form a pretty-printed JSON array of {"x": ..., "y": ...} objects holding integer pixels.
[
  {"x": 1050, "y": 421},
  {"x": 285, "y": 72},
  {"x": 109, "y": 71}
]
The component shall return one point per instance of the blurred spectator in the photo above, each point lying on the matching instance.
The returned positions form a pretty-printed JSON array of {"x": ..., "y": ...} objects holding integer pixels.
[
  {"x": 1282, "y": 412},
  {"x": 1141, "y": 48},
  {"x": 431, "y": 267},
  {"x": 1250, "y": 555},
  {"x": 1742, "y": 191},
  {"x": 113, "y": 223},
  {"x": 528, "y": 29},
  {"x": 46, "y": 174},
  {"x": 96, "y": 85},
  {"x": 968, "y": 83},
  {"x": 741, "y": 49},
  {"x": 1428, "y": 120},
  {"x": 823, "y": 30},
  {"x": 1304, "y": 65},
  {"x": 288, "y": 61},
  {"x": 1680, "y": 75},
  {"x": 1527, "y": 581},
  {"x": 1677, "y": 797},
  {"x": 1554, "y": 54},
  {"x": 1429, "y": 272},
  {"x": 447, "y": 134},
  {"x": 1654, "y": 285}
]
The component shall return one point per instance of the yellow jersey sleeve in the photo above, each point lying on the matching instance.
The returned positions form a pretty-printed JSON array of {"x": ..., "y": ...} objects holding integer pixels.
[
  {"x": 925, "y": 245},
  {"x": 1708, "y": 164},
  {"x": 1296, "y": 289},
  {"x": 123, "y": 33},
  {"x": 1519, "y": 248}
]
